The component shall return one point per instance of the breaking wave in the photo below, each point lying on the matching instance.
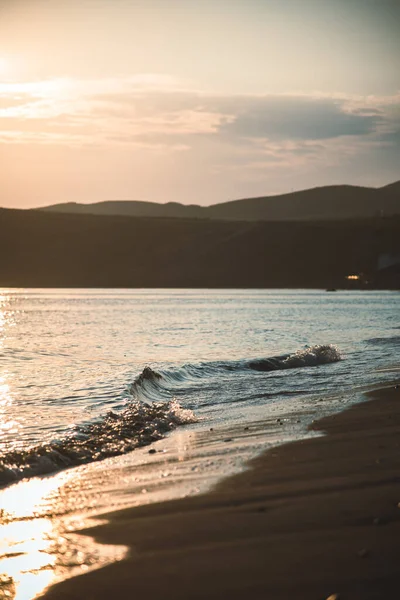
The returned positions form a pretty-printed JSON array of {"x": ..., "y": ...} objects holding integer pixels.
[
  {"x": 138, "y": 425},
  {"x": 152, "y": 412},
  {"x": 312, "y": 356},
  {"x": 152, "y": 386}
]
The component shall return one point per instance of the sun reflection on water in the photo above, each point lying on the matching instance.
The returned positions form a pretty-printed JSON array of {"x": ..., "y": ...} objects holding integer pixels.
[
  {"x": 27, "y": 558},
  {"x": 38, "y": 549},
  {"x": 38, "y": 545},
  {"x": 26, "y": 561},
  {"x": 7, "y": 425}
]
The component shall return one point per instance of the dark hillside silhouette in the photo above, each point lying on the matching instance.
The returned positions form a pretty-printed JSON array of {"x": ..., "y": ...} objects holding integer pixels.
[
  {"x": 40, "y": 249},
  {"x": 322, "y": 203},
  {"x": 393, "y": 188}
]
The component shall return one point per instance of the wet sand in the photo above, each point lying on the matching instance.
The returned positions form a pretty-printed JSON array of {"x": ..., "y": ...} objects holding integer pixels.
[{"x": 308, "y": 520}]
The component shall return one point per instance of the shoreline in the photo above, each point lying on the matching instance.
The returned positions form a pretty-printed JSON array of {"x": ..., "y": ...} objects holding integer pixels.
[{"x": 308, "y": 519}]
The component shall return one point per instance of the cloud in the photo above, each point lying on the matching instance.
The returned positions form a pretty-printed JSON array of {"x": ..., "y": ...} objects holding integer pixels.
[
  {"x": 286, "y": 116},
  {"x": 158, "y": 112},
  {"x": 299, "y": 118}
]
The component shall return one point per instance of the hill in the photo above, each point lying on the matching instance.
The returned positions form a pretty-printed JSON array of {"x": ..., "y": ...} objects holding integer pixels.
[
  {"x": 322, "y": 203},
  {"x": 43, "y": 249},
  {"x": 393, "y": 188}
]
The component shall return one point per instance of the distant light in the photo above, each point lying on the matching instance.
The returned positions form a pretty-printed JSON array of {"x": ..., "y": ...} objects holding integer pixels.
[{"x": 353, "y": 277}]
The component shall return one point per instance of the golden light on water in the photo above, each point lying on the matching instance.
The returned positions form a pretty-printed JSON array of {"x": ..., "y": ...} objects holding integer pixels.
[
  {"x": 7, "y": 424},
  {"x": 33, "y": 549},
  {"x": 30, "y": 497},
  {"x": 27, "y": 544},
  {"x": 37, "y": 550},
  {"x": 26, "y": 561}
]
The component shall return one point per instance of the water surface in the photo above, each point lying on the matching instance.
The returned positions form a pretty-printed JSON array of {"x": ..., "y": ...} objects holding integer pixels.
[
  {"x": 92, "y": 374},
  {"x": 69, "y": 357}
]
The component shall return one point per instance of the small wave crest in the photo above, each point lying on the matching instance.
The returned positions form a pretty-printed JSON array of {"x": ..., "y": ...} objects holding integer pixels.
[
  {"x": 153, "y": 386},
  {"x": 138, "y": 425},
  {"x": 150, "y": 386},
  {"x": 311, "y": 356}
]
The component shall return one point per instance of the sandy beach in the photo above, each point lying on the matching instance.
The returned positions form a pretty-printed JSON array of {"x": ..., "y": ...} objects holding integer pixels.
[{"x": 309, "y": 519}]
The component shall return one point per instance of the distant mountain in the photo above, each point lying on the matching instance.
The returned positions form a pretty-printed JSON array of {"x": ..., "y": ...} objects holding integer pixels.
[
  {"x": 392, "y": 187},
  {"x": 130, "y": 208},
  {"x": 317, "y": 204}
]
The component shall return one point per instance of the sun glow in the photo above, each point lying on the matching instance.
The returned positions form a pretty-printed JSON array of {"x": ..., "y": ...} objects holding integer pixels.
[
  {"x": 35, "y": 99},
  {"x": 4, "y": 66},
  {"x": 36, "y": 89}
]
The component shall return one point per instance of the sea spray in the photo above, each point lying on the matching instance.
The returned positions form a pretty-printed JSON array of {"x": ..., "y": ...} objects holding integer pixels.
[
  {"x": 117, "y": 433},
  {"x": 311, "y": 356}
]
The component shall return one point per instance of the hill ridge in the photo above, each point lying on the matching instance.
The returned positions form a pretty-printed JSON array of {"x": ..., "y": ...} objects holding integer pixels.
[{"x": 317, "y": 203}]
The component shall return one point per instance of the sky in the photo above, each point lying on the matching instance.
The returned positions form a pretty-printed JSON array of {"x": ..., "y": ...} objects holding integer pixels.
[{"x": 195, "y": 101}]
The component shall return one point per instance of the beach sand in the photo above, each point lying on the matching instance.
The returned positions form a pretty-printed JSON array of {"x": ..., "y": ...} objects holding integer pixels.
[{"x": 308, "y": 520}]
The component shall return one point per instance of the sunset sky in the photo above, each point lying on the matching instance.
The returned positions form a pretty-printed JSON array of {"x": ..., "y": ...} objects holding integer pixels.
[{"x": 195, "y": 101}]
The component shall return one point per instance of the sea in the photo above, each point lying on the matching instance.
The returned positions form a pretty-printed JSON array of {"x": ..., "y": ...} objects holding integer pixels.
[{"x": 115, "y": 398}]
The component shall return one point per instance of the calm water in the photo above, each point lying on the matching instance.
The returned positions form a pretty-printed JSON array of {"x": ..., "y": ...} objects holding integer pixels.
[{"x": 68, "y": 358}]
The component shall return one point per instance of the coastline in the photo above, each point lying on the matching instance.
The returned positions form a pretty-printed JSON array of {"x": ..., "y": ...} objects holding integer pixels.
[{"x": 308, "y": 519}]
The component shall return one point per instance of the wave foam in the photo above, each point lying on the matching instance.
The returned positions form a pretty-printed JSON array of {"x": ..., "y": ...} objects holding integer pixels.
[
  {"x": 138, "y": 425},
  {"x": 311, "y": 356}
]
